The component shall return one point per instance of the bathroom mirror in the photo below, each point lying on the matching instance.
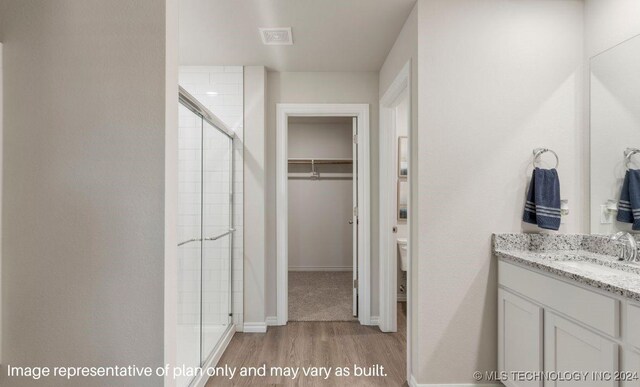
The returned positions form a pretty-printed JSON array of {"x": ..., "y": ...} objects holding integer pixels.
[
  {"x": 403, "y": 157},
  {"x": 615, "y": 127},
  {"x": 403, "y": 200}
]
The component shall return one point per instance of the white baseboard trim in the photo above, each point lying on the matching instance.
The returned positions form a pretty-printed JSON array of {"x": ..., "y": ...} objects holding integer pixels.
[
  {"x": 402, "y": 298},
  {"x": 320, "y": 268},
  {"x": 375, "y": 320},
  {"x": 271, "y": 321},
  {"x": 202, "y": 379},
  {"x": 254, "y": 327}
]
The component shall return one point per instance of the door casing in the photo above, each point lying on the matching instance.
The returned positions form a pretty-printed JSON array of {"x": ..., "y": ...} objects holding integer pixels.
[
  {"x": 401, "y": 85},
  {"x": 361, "y": 112}
]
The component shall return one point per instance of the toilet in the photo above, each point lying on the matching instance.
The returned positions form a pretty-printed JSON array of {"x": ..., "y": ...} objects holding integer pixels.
[{"x": 402, "y": 248}]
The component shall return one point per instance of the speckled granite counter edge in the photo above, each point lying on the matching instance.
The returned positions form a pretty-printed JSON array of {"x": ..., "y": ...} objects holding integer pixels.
[
  {"x": 594, "y": 243},
  {"x": 578, "y": 278}
]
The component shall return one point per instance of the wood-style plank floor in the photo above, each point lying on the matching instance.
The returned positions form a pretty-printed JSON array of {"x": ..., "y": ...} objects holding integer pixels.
[{"x": 321, "y": 344}]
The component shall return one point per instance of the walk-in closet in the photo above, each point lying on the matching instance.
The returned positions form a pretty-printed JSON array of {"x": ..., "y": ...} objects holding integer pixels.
[{"x": 321, "y": 194}]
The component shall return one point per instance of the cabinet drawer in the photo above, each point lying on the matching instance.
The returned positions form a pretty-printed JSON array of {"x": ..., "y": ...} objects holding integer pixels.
[{"x": 591, "y": 308}]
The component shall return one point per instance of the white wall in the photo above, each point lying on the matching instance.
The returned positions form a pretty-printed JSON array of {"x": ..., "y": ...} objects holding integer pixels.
[
  {"x": 318, "y": 87},
  {"x": 497, "y": 79},
  {"x": 1, "y": 169},
  {"x": 404, "y": 50},
  {"x": 171, "y": 189},
  {"x": 320, "y": 237},
  {"x": 255, "y": 212},
  {"x": 610, "y": 22},
  {"x": 85, "y": 117}
]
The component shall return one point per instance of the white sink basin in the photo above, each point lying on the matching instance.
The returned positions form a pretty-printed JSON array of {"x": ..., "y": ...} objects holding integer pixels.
[{"x": 590, "y": 267}]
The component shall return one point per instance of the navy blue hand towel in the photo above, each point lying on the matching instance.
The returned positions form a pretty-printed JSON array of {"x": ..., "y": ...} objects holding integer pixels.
[
  {"x": 543, "y": 199},
  {"x": 629, "y": 205}
]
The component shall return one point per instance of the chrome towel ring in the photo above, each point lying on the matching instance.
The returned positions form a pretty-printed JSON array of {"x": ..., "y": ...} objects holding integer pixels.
[
  {"x": 628, "y": 154},
  {"x": 539, "y": 151}
]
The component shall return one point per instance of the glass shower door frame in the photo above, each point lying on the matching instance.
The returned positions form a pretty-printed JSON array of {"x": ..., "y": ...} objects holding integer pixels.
[
  {"x": 208, "y": 328},
  {"x": 191, "y": 103}
]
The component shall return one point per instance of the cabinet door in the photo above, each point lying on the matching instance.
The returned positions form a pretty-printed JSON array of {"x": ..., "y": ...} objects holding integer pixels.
[
  {"x": 631, "y": 369},
  {"x": 519, "y": 337},
  {"x": 571, "y": 348}
]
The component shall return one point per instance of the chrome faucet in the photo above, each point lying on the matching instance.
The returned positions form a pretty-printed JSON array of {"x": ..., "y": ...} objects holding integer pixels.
[{"x": 629, "y": 247}]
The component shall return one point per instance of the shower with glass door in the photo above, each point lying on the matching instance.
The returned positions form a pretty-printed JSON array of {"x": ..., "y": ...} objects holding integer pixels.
[{"x": 205, "y": 233}]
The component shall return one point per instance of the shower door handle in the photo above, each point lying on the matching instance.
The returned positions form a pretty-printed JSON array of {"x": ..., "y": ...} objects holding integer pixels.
[{"x": 213, "y": 238}]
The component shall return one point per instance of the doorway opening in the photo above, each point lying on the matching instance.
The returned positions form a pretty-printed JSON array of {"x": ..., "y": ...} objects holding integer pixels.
[
  {"x": 323, "y": 213},
  {"x": 323, "y": 201}
]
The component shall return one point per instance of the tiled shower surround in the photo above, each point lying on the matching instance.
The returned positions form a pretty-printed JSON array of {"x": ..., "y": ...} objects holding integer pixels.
[{"x": 220, "y": 89}]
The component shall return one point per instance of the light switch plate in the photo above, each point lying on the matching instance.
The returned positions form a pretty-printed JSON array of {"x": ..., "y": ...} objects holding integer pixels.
[
  {"x": 606, "y": 216},
  {"x": 564, "y": 210}
]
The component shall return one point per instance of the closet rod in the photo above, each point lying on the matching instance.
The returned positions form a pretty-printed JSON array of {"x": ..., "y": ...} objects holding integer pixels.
[{"x": 320, "y": 161}]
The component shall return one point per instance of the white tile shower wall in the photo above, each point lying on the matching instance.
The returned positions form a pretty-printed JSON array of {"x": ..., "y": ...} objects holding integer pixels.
[
  {"x": 220, "y": 89},
  {"x": 216, "y": 221},
  {"x": 189, "y": 188}
]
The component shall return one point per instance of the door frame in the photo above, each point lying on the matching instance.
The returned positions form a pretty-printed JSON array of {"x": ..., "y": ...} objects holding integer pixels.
[
  {"x": 387, "y": 207},
  {"x": 283, "y": 112},
  {"x": 388, "y": 244}
]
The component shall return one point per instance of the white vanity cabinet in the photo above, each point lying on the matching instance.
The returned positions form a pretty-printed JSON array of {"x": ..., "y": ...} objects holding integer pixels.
[
  {"x": 549, "y": 324},
  {"x": 631, "y": 354},
  {"x": 570, "y": 347},
  {"x": 630, "y": 363},
  {"x": 521, "y": 336}
]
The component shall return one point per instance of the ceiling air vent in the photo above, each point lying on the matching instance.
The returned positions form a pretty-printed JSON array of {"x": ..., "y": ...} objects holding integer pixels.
[{"x": 276, "y": 36}]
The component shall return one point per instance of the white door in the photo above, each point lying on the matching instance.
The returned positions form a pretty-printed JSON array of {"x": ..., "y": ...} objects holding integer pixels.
[
  {"x": 354, "y": 220},
  {"x": 519, "y": 337},
  {"x": 572, "y": 348}
]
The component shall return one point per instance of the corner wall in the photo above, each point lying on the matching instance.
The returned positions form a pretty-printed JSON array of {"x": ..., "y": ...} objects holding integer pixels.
[
  {"x": 1, "y": 136},
  {"x": 405, "y": 49},
  {"x": 171, "y": 190},
  {"x": 610, "y": 22},
  {"x": 85, "y": 119},
  {"x": 497, "y": 79},
  {"x": 255, "y": 211}
]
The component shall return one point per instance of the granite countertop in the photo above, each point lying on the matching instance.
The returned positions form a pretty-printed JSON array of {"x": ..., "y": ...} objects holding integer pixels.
[{"x": 590, "y": 260}]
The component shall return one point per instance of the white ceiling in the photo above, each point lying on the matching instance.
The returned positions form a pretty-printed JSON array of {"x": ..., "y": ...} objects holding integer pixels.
[{"x": 328, "y": 35}]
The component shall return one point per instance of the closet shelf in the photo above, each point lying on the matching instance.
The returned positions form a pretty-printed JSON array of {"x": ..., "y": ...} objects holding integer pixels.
[
  {"x": 320, "y": 161},
  {"x": 315, "y": 174}
]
